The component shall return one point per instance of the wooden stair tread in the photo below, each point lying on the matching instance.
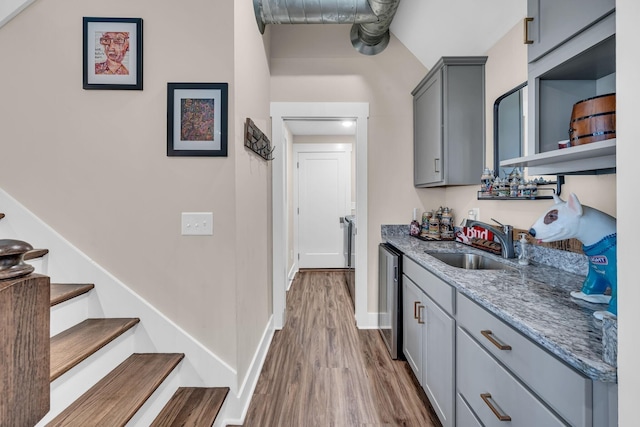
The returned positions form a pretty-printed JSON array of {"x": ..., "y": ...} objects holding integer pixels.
[
  {"x": 116, "y": 398},
  {"x": 74, "y": 345},
  {"x": 35, "y": 253},
  {"x": 192, "y": 406},
  {"x": 61, "y": 292}
]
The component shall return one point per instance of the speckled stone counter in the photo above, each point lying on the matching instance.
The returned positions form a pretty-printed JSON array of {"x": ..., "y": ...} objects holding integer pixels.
[{"x": 533, "y": 299}]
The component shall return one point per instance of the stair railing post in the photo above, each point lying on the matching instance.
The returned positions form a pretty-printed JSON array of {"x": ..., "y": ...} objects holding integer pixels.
[{"x": 24, "y": 338}]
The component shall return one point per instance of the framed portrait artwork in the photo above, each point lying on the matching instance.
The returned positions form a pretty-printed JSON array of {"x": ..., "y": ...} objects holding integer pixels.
[
  {"x": 197, "y": 119},
  {"x": 112, "y": 53}
]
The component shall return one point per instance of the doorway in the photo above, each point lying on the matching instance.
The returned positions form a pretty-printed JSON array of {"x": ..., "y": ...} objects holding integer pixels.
[
  {"x": 281, "y": 112},
  {"x": 321, "y": 200}
]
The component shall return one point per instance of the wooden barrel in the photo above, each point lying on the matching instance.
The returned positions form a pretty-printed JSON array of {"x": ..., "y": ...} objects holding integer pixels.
[{"x": 593, "y": 119}]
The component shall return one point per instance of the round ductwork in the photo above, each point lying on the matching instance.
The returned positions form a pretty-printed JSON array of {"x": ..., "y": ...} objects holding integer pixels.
[{"x": 370, "y": 18}]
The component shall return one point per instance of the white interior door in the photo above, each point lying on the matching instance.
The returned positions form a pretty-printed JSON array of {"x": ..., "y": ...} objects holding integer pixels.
[{"x": 324, "y": 194}]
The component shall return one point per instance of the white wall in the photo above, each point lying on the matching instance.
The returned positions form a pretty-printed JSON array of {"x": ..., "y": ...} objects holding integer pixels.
[
  {"x": 252, "y": 186},
  {"x": 93, "y": 164},
  {"x": 628, "y": 153}
]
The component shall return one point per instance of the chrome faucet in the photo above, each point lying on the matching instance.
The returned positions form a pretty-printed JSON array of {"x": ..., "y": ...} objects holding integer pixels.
[{"x": 504, "y": 235}]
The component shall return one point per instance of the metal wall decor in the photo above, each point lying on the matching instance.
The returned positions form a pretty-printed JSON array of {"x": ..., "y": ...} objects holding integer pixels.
[{"x": 257, "y": 141}]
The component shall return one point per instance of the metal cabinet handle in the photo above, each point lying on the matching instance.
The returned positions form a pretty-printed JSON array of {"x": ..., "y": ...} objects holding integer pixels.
[
  {"x": 526, "y": 30},
  {"x": 415, "y": 309},
  {"x": 501, "y": 417},
  {"x": 488, "y": 335},
  {"x": 435, "y": 165},
  {"x": 420, "y": 321}
]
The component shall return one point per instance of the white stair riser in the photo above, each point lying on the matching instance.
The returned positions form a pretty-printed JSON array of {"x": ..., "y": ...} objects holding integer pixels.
[
  {"x": 66, "y": 389},
  {"x": 69, "y": 313},
  {"x": 152, "y": 407}
]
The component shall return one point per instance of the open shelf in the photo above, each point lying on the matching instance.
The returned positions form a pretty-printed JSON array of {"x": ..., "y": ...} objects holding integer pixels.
[{"x": 597, "y": 155}]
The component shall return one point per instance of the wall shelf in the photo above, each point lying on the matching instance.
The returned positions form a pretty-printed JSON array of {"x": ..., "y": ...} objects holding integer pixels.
[
  {"x": 542, "y": 193},
  {"x": 594, "y": 156}
]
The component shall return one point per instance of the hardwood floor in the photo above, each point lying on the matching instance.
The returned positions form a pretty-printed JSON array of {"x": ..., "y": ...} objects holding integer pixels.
[{"x": 322, "y": 371}]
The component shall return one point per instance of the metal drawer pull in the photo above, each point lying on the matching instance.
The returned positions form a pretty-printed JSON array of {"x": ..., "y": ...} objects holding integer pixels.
[
  {"x": 420, "y": 321},
  {"x": 415, "y": 309},
  {"x": 435, "y": 165},
  {"x": 488, "y": 335},
  {"x": 526, "y": 30},
  {"x": 501, "y": 417}
]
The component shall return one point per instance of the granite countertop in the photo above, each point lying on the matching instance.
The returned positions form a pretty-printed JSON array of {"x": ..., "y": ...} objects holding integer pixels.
[{"x": 533, "y": 299}]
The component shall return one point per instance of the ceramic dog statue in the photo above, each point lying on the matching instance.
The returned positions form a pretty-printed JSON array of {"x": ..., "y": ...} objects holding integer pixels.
[{"x": 597, "y": 232}]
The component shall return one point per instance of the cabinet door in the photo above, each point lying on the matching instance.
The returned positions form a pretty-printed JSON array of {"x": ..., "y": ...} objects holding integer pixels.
[
  {"x": 412, "y": 313},
  {"x": 427, "y": 118},
  {"x": 555, "y": 21},
  {"x": 438, "y": 361}
]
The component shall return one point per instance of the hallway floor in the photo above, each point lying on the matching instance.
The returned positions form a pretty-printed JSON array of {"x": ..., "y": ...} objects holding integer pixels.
[{"x": 322, "y": 371}]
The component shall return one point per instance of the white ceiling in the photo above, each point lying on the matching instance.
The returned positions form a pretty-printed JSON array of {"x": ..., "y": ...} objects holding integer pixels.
[{"x": 431, "y": 29}]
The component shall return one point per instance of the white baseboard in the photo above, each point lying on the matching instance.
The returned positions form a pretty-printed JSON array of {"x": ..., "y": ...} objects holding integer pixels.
[
  {"x": 292, "y": 274},
  {"x": 235, "y": 409},
  {"x": 371, "y": 321}
]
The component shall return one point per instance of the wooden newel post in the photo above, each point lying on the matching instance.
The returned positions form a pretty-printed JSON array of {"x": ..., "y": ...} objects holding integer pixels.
[{"x": 24, "y": 341}]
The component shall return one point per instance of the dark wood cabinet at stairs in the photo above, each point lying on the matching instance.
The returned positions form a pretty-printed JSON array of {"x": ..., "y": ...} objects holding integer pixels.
[{"x": 24, "y": 350}]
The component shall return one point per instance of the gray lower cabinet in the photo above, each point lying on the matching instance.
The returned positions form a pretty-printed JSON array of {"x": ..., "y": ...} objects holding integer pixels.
[
  {"x": 565, "y": 390},
  {"x": 449, "y": 123},
  {"x": 478, "y": 370},
  {"x": 429, "y": 337},
  {"x": 493, "y": 393},
  {"x": 412, "y": 298},
  {"x": 500, "y": 372},
  {"x": 555, "y": 21},
  {"x": 464, "y": 415},
  {"x": 439, "y": 360}
]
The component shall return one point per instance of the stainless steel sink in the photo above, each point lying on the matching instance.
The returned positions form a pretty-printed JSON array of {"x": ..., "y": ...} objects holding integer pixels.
[{"x": 469, "y": 261}]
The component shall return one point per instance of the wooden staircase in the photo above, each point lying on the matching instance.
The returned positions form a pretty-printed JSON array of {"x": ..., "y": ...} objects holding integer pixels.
[{"x": 116, "y": 398}]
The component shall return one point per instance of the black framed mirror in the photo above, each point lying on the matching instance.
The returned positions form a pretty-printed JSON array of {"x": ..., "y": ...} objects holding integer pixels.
[{"x": 509, "y": 132}]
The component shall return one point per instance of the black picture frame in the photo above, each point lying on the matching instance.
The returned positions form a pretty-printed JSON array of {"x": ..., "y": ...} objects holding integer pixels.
[
  {"x": 197, "y": 115},
  {"x": 104, "y": 65}
]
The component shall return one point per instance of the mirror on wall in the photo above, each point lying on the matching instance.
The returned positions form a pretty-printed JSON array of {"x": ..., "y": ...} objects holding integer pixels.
[{"x": 509, "y": 127}]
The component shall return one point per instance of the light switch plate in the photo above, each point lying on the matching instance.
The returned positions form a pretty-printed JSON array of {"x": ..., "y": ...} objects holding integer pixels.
[{"x": 197, "y": 223}]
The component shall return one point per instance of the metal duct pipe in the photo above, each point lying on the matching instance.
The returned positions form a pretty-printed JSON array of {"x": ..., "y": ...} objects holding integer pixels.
[{"x": 370, "y": 18}]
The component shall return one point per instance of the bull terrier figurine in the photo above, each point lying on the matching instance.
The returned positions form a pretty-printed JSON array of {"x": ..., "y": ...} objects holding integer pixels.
[{"x": 597, "y": 232}]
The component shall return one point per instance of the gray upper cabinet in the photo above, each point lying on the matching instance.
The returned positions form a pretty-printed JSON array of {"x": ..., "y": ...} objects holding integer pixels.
[
  {"x": 449, "y": 123},
  {"x": 580, "y": 68},
  {"x": 556, "y": 21}
]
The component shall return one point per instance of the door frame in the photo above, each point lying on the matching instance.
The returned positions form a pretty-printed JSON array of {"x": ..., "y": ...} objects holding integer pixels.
[
  {"x": 347, "y": 149},
  {"x": 281, "y": 111}
]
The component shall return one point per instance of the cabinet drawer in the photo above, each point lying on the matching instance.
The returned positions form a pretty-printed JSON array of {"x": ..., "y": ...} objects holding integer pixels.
[
  {"x": 491, "y": 391},
  {"x": 464, "y": 415},
  {"x": 440, "y": 292},
  {"x": 562, "y": 388}
]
